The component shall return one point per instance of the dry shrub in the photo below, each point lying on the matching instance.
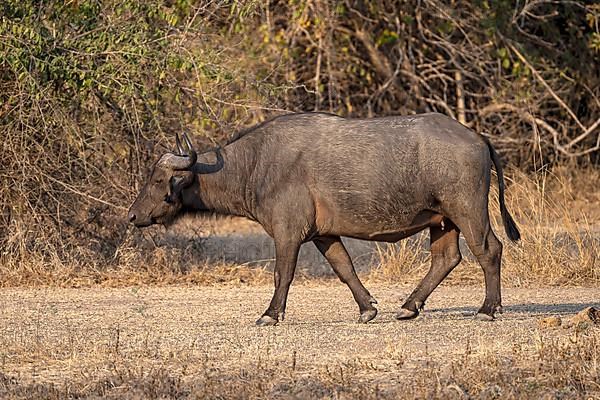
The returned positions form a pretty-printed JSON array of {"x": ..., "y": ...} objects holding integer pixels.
[
  {"x": 91, "y": 92},
  {"x": 492, "y": 66},
  {"x": 560, "y": 245},
  {"x": 560, "y": 237}
]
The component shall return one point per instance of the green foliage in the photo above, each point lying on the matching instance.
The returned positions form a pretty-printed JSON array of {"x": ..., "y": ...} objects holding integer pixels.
[
  {"x": 593, "y": 21},
  {"x": 594, "y": 42},
  {"x": 386, "y": 37}
]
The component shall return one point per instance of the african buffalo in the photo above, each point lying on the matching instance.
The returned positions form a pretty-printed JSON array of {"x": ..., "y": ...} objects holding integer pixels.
[{"x": 316, "y": 177}]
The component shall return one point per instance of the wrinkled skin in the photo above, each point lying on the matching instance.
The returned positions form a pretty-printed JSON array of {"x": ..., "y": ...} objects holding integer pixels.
[{"x": 316, "y": 177}]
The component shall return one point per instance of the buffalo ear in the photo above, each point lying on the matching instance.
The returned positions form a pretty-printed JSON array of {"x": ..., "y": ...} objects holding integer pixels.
[{"x": 176, "y": 184}]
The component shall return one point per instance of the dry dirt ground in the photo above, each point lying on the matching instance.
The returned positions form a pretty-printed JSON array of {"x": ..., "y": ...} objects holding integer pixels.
[{"x": 194, "y": 342}]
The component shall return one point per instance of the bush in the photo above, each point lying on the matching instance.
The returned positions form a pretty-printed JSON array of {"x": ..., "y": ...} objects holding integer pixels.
[{"x": 91, "y": 91}]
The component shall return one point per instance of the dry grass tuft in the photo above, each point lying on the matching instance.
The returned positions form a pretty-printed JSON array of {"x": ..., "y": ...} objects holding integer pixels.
[{"x": 401, "y": 261}]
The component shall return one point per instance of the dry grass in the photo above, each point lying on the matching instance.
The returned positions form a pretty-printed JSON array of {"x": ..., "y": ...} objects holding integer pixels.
[
  {"x": 159, "y": 272},
  {"x": 142, "y": 258},
  {"x": 558, "y": 370},
  {"x": 561, "y": 228},
  {"x": 201, "y": 343},
  {"x": 402, "y": 261}
]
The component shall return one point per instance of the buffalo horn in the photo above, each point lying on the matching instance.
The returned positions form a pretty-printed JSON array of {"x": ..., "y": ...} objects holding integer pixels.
[
  {"x": 191, "y": 152},
  {"x": 182, "y": 161},
  {"x": 180, "y": 150},
  {"x": 175, "y": 162}
]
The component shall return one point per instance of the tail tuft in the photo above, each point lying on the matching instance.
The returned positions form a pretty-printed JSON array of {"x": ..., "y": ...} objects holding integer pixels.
[{"x": 510, "y": 227}]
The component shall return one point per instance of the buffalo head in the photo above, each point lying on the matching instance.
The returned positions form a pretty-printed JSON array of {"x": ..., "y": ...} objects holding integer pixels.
[{"x": 160, "y": 200}]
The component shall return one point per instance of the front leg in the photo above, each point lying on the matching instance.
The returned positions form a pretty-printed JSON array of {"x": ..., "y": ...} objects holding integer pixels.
[
  {"x": 336, "y": 254},
  {"x": 286, "y": 256}
]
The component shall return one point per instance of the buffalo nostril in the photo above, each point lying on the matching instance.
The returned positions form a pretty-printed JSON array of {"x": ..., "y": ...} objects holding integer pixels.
[{"x": 131, "y": 217}]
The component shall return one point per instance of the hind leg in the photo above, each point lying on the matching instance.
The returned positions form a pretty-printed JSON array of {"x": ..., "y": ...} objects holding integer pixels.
[
  {"x": 486, "y": 247},
  {"x": 445, "y": 256},
  {"x": 490, "y": 257}
]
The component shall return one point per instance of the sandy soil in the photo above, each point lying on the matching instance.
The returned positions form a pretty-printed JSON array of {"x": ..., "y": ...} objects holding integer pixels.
[{"x": 63, "y": 336}]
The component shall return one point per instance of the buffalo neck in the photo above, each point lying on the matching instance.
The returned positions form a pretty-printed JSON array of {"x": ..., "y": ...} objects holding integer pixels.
[{"x": 221, "y": 181}]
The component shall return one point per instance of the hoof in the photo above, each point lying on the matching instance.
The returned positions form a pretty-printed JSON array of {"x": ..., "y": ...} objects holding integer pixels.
[
  {"x": 265, "y": 320},
  {"x": 406, "y": 314},
  {"x": 484, "y": 317},
  {"x": 366, "y": 316},
  {"x": 487, "y": 313}
]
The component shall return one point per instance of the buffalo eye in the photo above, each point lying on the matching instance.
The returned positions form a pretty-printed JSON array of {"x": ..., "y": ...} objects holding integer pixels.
[{"x": 168, "y": 199}]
